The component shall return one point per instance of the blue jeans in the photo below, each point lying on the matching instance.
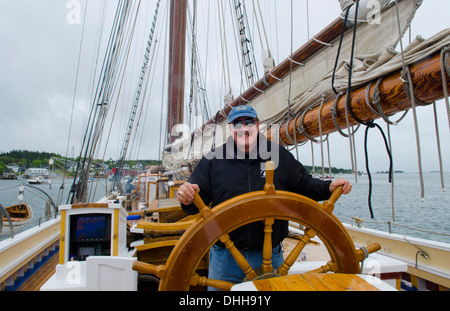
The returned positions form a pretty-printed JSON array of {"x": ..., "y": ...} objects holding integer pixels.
[{"x": 222, "y": 265}]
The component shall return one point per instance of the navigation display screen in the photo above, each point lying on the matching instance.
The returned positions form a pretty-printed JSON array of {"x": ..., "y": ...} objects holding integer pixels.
[{"x": 93, "y": 226}]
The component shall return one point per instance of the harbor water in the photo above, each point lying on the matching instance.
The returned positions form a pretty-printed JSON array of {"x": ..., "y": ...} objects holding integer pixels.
[
  {"x": 398, "y": 206},
  {"x": 9, "y": 191},
  {"x": 429, "y": 218}
]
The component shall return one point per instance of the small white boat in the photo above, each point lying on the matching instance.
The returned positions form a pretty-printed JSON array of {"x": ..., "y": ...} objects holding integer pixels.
[{"x": 35, "y": 180}]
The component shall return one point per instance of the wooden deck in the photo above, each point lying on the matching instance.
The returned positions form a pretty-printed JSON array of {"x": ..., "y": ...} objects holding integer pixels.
[
  {"x": 41, "y": 276},
  {"x": 311, "y": 252},
  {"x": 315, "y": 282}
]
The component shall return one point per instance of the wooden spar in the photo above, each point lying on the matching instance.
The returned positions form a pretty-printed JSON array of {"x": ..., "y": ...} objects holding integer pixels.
[
  {"x": 427, "y": 81},
  {"x": 328, "y": 35},
  {"x": 178, "y": 9}
]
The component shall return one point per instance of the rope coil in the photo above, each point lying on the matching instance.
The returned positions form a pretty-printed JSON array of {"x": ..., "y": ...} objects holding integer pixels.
[
  {"x": 366, "y": 255},
  {"x": 409, "y": 87},
  {"x": 376, "y": 100},
  {"x": 301, "y": 129},
  {"x": 407, "y": 74},
  {"x": 333, "y": 111},
  {"x": 445, "y": 71}
]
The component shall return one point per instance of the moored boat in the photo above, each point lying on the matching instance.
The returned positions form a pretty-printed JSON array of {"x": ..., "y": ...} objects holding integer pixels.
[
  {"x": 19, "y": 214},
  {"x": 35, "y": 180}
]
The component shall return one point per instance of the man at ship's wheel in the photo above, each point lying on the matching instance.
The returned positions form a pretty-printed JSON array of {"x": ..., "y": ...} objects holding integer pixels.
[{"x": 237, "y": 167}]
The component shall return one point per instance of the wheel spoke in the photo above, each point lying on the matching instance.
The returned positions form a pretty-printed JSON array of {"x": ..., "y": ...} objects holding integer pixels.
[
  {"x": 267, "y": 246},
  {"x": 330, "y": 266},
  {"x": 292, "y": 257},
  {"x": 240, "y": 259},
  {"x": 145, "y": 268},
  {"x": 204, "y": 281}
]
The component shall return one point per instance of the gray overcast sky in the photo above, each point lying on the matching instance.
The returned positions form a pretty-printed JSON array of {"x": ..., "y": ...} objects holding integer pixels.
[{"x": 39, "y": 54}]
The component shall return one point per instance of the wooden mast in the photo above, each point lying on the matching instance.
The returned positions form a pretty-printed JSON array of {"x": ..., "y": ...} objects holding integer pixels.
[
  {"x": 427, "y": 81},
  {"x": 177, "y": 49}
]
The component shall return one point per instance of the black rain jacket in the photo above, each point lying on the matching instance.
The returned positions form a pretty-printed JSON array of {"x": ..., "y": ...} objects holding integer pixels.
[{"x": 224, "y": 173}]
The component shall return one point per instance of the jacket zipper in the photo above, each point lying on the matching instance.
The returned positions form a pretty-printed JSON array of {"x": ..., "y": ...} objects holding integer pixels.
[
  {"x": 249, "y": 190},
  {"x": 248, "y": 177}
]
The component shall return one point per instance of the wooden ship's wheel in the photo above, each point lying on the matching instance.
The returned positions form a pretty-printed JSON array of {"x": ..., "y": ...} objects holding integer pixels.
[{"x": 179, "y": 272}]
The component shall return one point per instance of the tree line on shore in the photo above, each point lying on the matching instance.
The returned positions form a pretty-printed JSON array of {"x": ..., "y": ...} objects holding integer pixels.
[{"x": 26, "y": 159}]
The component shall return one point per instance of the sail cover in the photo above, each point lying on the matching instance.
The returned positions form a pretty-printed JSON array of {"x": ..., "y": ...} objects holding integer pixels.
[{"x": 379, "y": 31}]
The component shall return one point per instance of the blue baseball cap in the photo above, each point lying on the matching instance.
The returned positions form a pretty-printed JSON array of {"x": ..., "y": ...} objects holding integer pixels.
[{"x": 242, "y": 111}]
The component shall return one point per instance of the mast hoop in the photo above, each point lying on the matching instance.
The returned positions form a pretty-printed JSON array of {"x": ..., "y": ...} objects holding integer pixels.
[
  {"x": 323, "y": 43},
  {"x": 245, "y": 100},
  {"x": 266, "y": 83},
  {"x": 295, "y": 62},
  {"x": 261, "y": 91},
  {"x": 276, "y": 78}
]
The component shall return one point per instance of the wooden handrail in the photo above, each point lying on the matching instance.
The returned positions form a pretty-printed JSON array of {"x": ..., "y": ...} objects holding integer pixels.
[{"x": 157, "y": 227}]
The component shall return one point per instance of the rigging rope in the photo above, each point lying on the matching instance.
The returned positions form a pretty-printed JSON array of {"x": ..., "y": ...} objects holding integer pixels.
[
  {"x": 406, "y": 76},
  {"x": 193, "y": 81},
  {"x": 140, "y": 128},
  {"x": 162, "y": 100},
  {"x": 108, "y": 79},
  {"x": 339, "y": 49},
  {"x": 392, "y": 177},
  {"x": 445, "y": 70},
  {"x": 348, "y": 107},
  {"x": 436, "y": 125},
  {"x": 368, "y": 124},
  {"x": 290, "y": 85},
  {"x": 371, "y": 125},
  {"x": 224, "y": 46},
  {"x": 136, "y": 100},
  {"x": 248, "y": 57},
  {"x": 198, "y": 81},
  {"x": 376, "y": 100},
  {"x": 258, "y": 28},
  {"x": 321, "y": 141},
  {"x": 130, "y": 26},
  {"x": 61, "y": 189}
]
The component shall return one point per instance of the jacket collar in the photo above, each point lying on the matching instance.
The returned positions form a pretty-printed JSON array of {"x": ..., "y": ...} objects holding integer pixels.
[{"x": 232, "y": 152}]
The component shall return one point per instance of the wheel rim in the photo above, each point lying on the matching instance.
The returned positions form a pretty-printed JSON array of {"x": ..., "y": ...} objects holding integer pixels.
[{"x": 252, "y": 207}]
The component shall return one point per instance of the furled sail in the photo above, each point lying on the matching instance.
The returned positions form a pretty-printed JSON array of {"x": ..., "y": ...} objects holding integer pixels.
[{"x": 308, "y": 75}]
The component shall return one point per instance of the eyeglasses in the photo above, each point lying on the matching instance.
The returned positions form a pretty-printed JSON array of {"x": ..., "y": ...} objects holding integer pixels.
[{"x": 239, "y": 123}]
